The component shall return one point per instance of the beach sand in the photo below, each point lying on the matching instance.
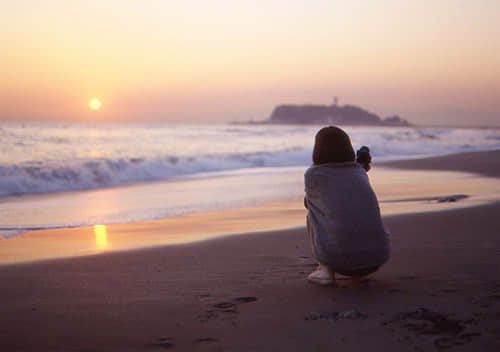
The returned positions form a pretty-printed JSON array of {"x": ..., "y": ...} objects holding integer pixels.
[
  {"x": 486, "y": 163},
  {"x": 440, "y": 290}
]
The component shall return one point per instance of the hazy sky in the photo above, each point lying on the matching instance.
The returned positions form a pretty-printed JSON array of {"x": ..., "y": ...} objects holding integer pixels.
[{"x": 430, "y": 61}]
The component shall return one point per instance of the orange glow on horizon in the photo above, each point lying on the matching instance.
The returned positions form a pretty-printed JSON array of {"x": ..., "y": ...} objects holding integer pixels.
[{"x": 169, "y": 63}]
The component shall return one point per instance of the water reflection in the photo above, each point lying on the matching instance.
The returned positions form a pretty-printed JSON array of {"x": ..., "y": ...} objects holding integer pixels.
[{"x": 101, "y": 237}]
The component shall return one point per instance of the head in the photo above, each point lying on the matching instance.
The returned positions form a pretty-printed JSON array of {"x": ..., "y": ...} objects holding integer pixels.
[{"x": 332, "y": 145}]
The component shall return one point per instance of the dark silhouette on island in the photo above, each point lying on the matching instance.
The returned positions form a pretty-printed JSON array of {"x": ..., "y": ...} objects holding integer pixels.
[{"x": 331, "y": 114}]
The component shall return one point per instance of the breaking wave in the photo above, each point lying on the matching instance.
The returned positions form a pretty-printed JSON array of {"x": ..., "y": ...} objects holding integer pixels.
[
  {"x": 99, "y": 173},
  {"x": 51, "y": 158}
]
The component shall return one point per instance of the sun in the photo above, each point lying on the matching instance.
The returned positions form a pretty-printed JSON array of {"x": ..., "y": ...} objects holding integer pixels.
[{"x": 95, "y": 104}]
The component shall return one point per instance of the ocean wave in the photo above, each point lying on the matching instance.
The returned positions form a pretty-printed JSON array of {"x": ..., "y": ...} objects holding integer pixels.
[
  {"x": 99, "y": 173},
  {"x": 43, "y": 158}
]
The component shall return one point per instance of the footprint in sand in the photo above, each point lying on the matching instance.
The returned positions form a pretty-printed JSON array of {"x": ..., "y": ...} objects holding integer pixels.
[
  {"x": 225, "y": 308},
  {"x": 445, "y": 331},
  {"x": 245, "y": 299},
  {"x": 208, "y": 343},
  {"x": 234, "y": 302},
  {"x": 223, "y": 305},
  {"x": 163, "y": 342}
]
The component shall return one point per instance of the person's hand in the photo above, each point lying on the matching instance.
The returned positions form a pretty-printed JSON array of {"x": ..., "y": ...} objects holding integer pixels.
[{"x": 364, "y": 158}]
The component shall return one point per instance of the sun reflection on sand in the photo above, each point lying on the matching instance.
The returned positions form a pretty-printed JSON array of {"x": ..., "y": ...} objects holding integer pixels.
[{"x": 101, "y": 237}]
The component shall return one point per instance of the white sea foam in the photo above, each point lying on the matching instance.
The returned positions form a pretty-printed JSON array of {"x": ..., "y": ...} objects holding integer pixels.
[
  {"x": 214, "y": 167},
  {"x": 51, "y": 157},
  {"x": 100, "y": 173},
  {"x": 147, "y": 201}
]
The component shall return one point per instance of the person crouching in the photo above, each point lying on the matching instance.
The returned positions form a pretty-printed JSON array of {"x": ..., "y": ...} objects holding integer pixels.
[{"x": 343, "y": 220}]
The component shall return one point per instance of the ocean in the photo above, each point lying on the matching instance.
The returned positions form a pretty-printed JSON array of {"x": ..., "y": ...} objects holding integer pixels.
[{"x": 78, "y": 174}]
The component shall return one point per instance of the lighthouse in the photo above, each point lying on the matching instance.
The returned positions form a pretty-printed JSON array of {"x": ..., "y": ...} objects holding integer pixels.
[{"x": 335, "y": 101}]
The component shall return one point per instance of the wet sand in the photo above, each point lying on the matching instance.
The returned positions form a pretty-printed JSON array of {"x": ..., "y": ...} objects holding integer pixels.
[
  {"x": 486, "y": 163},
  {"x": 440, "y": 290},
  {"x": 399, "y": 192}
]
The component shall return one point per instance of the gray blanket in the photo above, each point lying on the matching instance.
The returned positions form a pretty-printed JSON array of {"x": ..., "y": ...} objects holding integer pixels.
[{"x": 343, "y": 219}]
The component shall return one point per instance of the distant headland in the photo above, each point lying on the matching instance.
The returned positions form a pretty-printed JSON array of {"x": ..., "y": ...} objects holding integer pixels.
[{"x": 331, "y": 114}]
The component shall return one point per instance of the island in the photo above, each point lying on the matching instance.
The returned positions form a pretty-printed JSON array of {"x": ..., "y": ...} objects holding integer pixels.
[{"x": 331, "y": 114}]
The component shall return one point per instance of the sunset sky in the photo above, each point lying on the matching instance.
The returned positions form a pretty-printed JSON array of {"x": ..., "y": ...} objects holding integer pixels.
[{"x": 214, "y": 61}]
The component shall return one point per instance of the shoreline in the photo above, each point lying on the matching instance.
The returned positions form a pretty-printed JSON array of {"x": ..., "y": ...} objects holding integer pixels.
[
  {"x": 248, "y": 292},
  {"x": 394, "y": 196},
  {"x": 486, "y": 163}
]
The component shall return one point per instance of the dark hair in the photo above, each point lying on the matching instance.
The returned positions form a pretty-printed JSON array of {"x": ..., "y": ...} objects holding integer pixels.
[{"x": 332, "y": 145}]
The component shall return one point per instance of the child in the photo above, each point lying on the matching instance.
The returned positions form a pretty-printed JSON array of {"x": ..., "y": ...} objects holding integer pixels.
[{"x": 343, "y": 219}]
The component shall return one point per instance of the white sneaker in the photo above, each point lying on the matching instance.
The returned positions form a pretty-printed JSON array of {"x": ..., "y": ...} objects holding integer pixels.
[{"x": 322, "y": 276}]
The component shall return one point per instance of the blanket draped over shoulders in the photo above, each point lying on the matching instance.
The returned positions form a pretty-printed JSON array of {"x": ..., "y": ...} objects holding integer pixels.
[{"x": 343, "y": 219}]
